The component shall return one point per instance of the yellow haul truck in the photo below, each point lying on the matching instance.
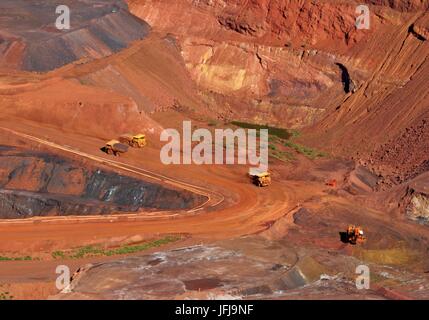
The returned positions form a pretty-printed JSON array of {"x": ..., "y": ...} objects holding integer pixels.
[
  {"x": 261, "y": 179},
  {"x": 135, "y": 141},
  {"x": 115, "y": 148}
]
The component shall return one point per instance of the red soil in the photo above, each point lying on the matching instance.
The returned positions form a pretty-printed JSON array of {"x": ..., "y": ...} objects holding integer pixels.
[{"x": 262, "y": 61}]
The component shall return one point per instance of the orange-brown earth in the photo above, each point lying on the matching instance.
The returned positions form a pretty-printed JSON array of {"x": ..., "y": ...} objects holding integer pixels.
[
  {"x": 359, "y": 95},
  {"x": 287, "y": 61}
]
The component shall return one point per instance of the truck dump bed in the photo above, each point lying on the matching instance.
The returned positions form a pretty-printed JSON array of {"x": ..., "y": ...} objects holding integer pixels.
[{"x": 120, "y": 147}]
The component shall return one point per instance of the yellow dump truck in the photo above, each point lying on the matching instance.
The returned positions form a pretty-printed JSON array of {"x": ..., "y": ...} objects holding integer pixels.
[
  {"x": 261, "y": 179},
  {"x": 115, "y": 148},
  {"x": 135, "y": 141}
]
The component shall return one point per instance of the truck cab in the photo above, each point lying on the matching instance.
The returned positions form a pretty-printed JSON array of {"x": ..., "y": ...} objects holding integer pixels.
[{"x": 135, "y": 141}]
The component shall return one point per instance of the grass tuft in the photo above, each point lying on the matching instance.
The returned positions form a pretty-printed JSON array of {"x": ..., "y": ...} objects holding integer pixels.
[
  {"x": 279, "y": 138},
  {"x": 94, "y": 251},
  {"x": 274, "y": 131},
  {"x": 306, "y": 151},
  {"x": 26, "y": 258}
]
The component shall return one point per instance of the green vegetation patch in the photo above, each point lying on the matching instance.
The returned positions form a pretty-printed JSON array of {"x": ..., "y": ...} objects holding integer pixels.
[
  {"x": 274, "y": 131},
  {"x": 93, "y": 251},
  {"x": 280, "y": 137},
  {"x": 26, "y": 258},
  {"x": 306, "y": 151},
  {"x": 284, "y": 156}
]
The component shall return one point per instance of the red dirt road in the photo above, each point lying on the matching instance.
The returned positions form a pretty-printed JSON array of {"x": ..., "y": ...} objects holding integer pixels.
[{"x": 235, "y": 206}]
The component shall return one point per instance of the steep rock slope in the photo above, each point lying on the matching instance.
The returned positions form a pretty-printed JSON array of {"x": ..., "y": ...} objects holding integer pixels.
[
  {"x": 43, "y": 184},
  {"x": 72, "y": 107},
  {"x": 106, "y": 82},
  {"x": 277, "y": 61},
  {"x": 304, "y": 64},
  {"x": 30, "y": 41},
  {"x": 383, "y": 122}
]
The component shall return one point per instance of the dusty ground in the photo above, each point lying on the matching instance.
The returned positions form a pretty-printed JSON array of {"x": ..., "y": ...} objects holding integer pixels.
[
  {"x": 258, "y": 61},
  {"x": 298, "y": 215}
]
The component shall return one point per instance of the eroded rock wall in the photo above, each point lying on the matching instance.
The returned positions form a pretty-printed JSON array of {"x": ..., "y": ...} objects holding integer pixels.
[{"x": 42, "y": 184}]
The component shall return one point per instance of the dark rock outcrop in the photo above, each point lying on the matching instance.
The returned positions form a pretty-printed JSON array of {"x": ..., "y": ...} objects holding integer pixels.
[{"x": 41, "y": 184}]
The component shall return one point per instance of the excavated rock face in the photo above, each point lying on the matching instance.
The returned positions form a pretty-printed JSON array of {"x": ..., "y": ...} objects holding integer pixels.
[
  {"x": 269, "y": 21},
  {"x": 414, "y": 201},
  {"x": 301, "y": 64},
  {"x": 30, "y": 41},
  {"x": 404, "y": 157},
  {"x": 402, "y": 5},
  {"x": 274, "y": 59},
  {"x": 41, "y": 184},
  {"x": 291, "y": 63},
  {"x": 418, "y": 208}
]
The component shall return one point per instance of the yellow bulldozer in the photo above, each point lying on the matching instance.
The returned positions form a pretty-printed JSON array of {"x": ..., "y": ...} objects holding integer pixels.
[
  {"x": 355, "y": 235},
  {"x": 135, "y": 141},
  {"x": 261, "y": 179}
]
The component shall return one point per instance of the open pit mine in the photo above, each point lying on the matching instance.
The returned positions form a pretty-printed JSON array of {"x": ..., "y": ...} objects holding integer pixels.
[{"x": 93, "y": 94}]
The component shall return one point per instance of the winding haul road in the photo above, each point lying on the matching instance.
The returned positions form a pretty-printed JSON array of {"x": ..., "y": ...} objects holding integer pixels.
[
  {"x": 233, "y": 208},
  {"x": 213, "y": 198}
]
